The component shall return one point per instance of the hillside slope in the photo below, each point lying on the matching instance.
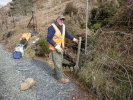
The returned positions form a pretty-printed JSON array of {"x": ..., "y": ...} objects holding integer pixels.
[
  {"x": 106, "y": 67},
  {"x": 43, "y": 18}
]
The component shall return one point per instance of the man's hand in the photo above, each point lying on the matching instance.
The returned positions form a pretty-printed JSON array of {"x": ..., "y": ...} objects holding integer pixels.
[
  {"x": 75, "y": 40},
  {"x": 59, "y": 49}
]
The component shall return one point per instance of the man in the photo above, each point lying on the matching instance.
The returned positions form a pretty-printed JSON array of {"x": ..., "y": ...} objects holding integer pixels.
[{"x": 56, "y": 38}]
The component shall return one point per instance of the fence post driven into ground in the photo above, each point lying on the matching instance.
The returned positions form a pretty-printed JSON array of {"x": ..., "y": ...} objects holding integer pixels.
[
  {"x": 86, "y": 27},
  {"x": 76, "y": 68}
]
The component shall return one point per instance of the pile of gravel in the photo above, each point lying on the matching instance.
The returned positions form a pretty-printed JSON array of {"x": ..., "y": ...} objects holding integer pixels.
[{"x": 14, "y": 71}]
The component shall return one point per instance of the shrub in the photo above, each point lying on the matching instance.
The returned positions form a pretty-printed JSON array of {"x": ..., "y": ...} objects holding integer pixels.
[
  {"x": 124, "y": 17},
  {"x": 106, "y": 81},
  {"x": 8, "y": 34},
  {"x": 101, "y": 16},
  {"x": 70, "y": 8},
  {"x": 111, "y": 14},
  {"x": 42, "y": 48}
]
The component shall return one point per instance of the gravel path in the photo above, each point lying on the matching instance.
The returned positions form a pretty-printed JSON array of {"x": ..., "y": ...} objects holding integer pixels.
[{"x": 14, "y": 71}]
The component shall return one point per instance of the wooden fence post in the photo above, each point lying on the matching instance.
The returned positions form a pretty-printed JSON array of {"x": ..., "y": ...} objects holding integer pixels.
[{"x": 78, "y": 54}]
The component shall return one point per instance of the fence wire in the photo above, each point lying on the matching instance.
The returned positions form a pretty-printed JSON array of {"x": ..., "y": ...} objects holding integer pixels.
[
  {"x": 108, "y": 74},
  {"x": 107, "y": 67}
]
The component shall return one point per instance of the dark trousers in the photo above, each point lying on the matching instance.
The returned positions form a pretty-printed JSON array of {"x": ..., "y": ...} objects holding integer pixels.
[{"x": 58, "y": 60}]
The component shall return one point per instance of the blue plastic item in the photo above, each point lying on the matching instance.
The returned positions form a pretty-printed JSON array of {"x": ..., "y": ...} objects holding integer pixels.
[{"x": 17, "y": 55}]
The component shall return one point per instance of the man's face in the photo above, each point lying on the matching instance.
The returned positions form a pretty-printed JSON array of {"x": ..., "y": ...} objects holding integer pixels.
[{"x": 60, "y": 21}]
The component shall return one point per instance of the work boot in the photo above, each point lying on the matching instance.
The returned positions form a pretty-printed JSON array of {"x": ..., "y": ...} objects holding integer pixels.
[{"x": 64, "y": 80}]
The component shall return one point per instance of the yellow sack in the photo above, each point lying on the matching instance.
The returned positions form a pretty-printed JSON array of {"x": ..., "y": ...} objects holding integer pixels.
[
  {"x": 26, "y": 36},
  {"x": 27, "y": 84}
]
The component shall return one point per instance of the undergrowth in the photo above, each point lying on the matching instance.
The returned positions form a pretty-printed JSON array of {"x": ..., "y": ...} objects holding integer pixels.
[
  {"x": 107, "y": 67},
  {"x": 42, "y": 47}
]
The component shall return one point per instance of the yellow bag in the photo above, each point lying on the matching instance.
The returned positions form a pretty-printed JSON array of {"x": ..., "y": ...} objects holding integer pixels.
[
  {"x": 27, "y": 84},
  {"x": 26, "y": 36}
]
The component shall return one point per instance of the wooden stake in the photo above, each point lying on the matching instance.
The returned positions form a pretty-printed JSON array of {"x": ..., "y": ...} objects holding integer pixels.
[{"x": 77, "y": 61}]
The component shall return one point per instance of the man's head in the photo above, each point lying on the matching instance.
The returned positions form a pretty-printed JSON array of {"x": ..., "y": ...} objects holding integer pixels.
[{"x": 60, "y": 19}]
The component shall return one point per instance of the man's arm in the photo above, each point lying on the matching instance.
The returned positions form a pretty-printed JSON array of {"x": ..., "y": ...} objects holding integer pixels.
[
  {"x": 50, "y": 35},
  {"x": 68, "y": 35}
]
